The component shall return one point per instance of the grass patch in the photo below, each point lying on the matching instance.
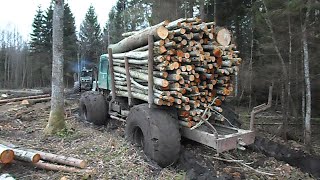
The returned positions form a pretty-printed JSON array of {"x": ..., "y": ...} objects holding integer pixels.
[{"x": 65, "y": 133}]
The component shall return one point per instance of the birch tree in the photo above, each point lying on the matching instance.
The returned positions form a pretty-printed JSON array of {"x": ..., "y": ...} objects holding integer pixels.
[
  {"x": 56, "y": 119},
  {"x": 307, "y": 132}
]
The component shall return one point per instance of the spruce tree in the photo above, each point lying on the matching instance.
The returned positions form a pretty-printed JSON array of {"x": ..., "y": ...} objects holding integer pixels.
[
  {"x": 111, "y": 34},
  {"x": 37, "y": 36},
  {"x": 69, "y": 39},
  {"x": 38, "y": 54},
  {"x": 69, "y": 43},
  {"x": 90, "y": 37},
  {"x": 48, "y": 29}
]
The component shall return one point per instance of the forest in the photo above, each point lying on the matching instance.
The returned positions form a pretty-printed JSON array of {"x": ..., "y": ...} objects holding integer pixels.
[{"x": 278, "y": 43}]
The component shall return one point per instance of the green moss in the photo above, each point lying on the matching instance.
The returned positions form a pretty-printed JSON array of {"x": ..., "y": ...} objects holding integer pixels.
[
  {"x": 56, "y": 122},
  {"x": 67, "y": 133}
]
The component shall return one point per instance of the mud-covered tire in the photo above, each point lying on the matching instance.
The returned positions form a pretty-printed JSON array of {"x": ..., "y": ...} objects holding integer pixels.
[
  {"x": 76, "y": 87},
  {"x": 156, "y": 130},
  {"x": 231, "y": 115},
  {"x": 93, "y": 108}
]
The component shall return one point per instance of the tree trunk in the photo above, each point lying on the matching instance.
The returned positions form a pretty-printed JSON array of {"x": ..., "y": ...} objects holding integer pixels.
[
  {"x": 284, "y": 112},
  {"x": 307, "y": 132},
  {"x": 289, "y": 66},
  {"x": 202, "y": 11},
  {"x": 250, "y": 62},
  {"x": 56, "y": 119},
  {"x": 283, "y": 65},
  {"x": 215, "y": 11}
]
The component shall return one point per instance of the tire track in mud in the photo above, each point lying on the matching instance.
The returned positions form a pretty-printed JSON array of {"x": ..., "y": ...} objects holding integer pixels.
[{"x": 307, "y": 163}]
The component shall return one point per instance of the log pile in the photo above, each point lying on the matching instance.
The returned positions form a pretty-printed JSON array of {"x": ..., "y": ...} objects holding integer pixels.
[
  {"x": 10, "y": 153},
  {"x": 193, "y": 67}
]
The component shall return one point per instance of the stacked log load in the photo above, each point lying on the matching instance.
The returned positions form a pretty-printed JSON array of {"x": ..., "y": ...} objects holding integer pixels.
[{"x": 193, "y": 64}]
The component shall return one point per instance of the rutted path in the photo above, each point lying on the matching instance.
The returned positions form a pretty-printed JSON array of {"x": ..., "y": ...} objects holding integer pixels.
[{"x": 306, "y": 162}]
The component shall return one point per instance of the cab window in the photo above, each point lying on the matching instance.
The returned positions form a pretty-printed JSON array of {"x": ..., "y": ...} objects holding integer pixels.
[{"x": 104, "y": 66}]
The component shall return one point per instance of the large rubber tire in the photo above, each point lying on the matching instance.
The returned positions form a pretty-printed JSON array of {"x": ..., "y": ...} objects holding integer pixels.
[
  {"x": 231, "y": 115},
  {"x": 76, "y": 87},
  {"x": 156, "y": 130},
  {"x": 93, "y": 108}
]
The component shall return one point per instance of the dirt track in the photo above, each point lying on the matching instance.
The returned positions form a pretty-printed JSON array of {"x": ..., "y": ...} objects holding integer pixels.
[{"x": 112, "y": 157}]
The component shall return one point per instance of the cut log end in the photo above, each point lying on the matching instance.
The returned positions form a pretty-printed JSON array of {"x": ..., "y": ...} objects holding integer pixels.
[
  {"x": 162, "y": 32},
  {"x": 83, "y": 164},
  {"x": 218, "y": 102},
  {"x": 6, "y": 156},
  {"x": 36, "y": 158},
  {"x": 224, "y": 37},
  {"x": 165, "y": 83},
  {"x": 180, "y": 53}
]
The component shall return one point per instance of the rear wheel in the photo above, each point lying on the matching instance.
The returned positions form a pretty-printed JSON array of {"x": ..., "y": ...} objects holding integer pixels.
[
  {"x": 93, "y": 108},
  {"x": 156, "y": 131}
]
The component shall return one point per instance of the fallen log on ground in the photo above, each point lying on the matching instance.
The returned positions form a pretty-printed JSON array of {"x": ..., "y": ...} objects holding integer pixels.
[
  {"x": 23, "y": 155},
  {"x": 54, "y": 167},
  {"x": 20, "y": 92},
  {"x": 44, "y": 156},
  {"x": 29, "y": 102},
  {"x": 26, "y": 156},
  {"x": 22, "y": 98},
  {"x": 62, "y": 159}
]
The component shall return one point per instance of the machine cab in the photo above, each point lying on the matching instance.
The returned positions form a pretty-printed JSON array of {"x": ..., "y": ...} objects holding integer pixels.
[{"x": 104, "y": 80}]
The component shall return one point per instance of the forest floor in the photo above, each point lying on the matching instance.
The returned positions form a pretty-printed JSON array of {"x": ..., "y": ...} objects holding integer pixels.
[{"x": 111, "y": 157}]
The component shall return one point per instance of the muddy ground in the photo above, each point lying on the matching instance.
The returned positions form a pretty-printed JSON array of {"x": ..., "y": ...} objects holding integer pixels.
[{"x": 111, "y": 157}]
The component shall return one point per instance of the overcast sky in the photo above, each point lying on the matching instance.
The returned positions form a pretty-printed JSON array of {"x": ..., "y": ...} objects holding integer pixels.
[{"x": 20, "y": 13}]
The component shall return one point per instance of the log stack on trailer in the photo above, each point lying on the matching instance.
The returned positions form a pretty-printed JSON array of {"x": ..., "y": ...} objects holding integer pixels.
[{"x": 193, "y": 67}]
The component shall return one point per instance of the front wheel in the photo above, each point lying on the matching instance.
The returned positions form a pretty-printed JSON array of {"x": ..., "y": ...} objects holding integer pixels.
[
  {"x": 156, "y": 131},
  {"x": 93, "y": 108},
  {"x": 76, "y": 87}
]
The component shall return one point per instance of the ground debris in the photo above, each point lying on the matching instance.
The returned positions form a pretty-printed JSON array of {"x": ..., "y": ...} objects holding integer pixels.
[{"x": 112, "y": 157}]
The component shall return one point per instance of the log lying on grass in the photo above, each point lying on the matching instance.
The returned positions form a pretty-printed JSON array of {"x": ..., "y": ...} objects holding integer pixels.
[
  {"x": 62, "y": 159},
  {"x": 27, "y": 156},
  {"x": 54, "y": 167},
  {"x": 20, "y": 154}
]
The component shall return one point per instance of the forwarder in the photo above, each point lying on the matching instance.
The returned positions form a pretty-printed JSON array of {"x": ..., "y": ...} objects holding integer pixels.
[{"x": 168, "y": 81}]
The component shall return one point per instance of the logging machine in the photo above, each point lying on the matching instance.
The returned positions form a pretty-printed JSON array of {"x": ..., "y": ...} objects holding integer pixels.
[
  {"x": 168, "y": 81},
  {"x": 85, "y": 81}
]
